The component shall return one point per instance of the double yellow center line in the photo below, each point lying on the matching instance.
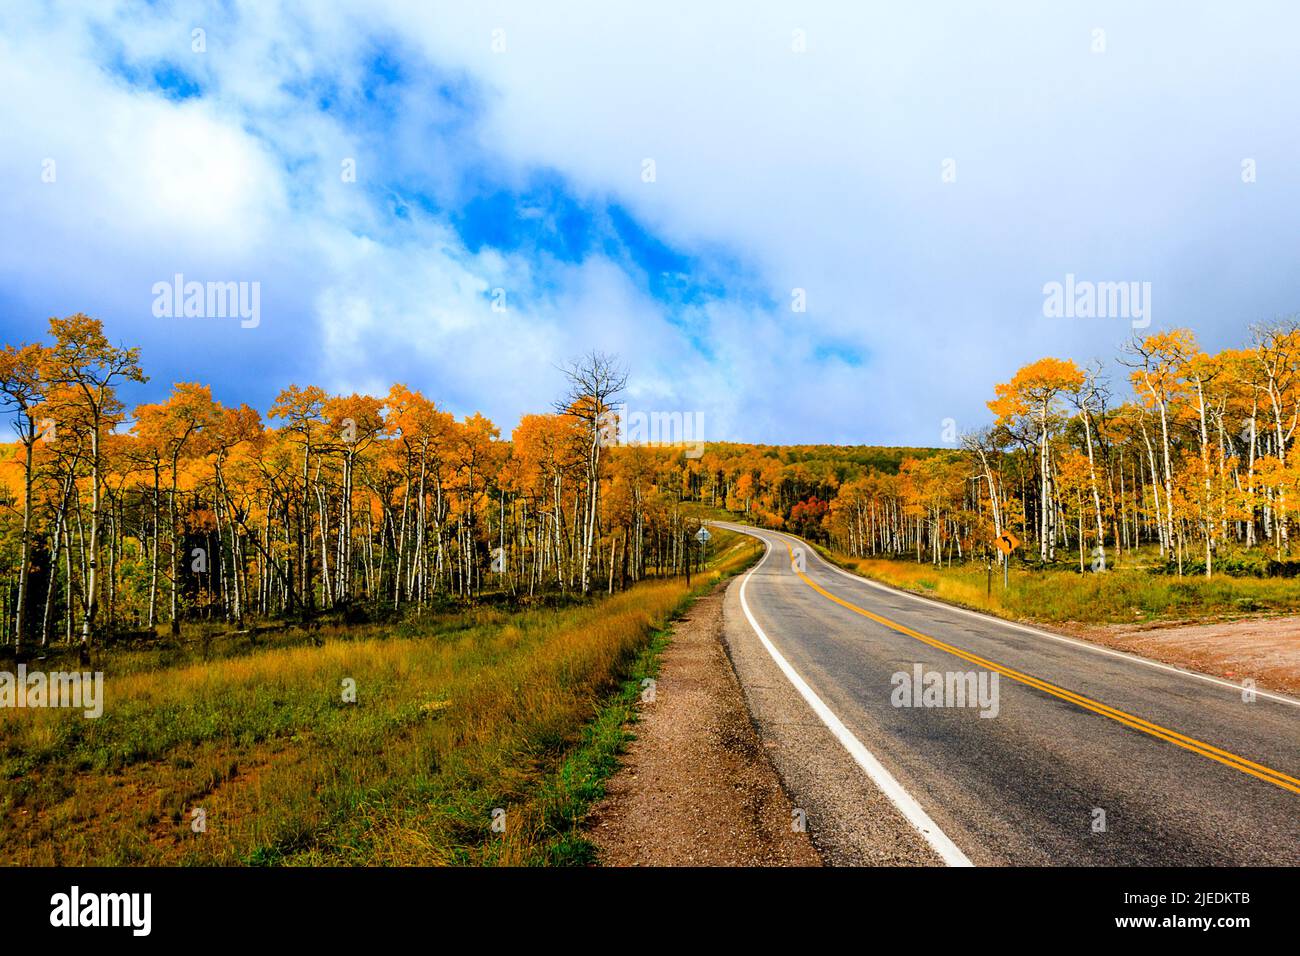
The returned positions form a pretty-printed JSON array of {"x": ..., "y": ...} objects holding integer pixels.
[{"x": 1224, "y": 757}]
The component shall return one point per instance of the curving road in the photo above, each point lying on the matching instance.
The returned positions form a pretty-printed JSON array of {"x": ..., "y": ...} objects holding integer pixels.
[{"x": 1094, "y": 757}]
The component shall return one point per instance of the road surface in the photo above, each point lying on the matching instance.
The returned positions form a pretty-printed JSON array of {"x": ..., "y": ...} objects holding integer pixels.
[{"x": 1094, "y": 757}]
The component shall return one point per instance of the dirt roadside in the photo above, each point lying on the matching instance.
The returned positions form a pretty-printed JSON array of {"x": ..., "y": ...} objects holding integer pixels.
[
  {"x": 696, "y": 787},
  {"x": 1266, "y": 649}
]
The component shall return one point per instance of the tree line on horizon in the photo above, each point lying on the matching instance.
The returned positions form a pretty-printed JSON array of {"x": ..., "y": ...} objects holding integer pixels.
[
  {"x": 1198, "y": 463},
  {"x": 189, "y": 509}
]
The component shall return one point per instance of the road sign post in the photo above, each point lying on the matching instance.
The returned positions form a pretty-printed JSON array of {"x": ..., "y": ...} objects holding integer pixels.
[
  {"x": 686, "y": 544},
  {"x": 703, "y": 536},
  {"x": 1006, "y": 543}
]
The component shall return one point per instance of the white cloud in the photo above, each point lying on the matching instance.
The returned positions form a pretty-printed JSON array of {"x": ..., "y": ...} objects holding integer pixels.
[{"x": 818, "y": 170}]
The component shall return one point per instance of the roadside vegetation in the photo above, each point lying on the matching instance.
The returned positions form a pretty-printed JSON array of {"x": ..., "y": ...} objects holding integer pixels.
[
  {"x": 1126, "y": 596},
  {"x": 1198, "y": 466},
  {"x": 455, "y": 716}
]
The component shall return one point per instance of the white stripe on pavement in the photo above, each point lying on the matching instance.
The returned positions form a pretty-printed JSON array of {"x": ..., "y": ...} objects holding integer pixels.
[
  {"x": 1037, "y": 632},
  {"x": 903, "y": 801}
]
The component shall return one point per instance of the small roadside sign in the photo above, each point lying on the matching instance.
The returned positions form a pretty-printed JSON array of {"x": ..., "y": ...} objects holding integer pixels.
[
  {"x": 703, "y": 535},
  {"x": 1006, "y": 542}
]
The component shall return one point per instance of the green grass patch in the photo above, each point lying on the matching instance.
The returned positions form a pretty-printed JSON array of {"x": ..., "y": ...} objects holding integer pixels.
[{"x": 456, "y": 715}]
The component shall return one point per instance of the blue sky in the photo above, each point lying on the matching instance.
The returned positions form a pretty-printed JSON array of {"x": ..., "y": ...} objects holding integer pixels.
[{"x": 503, "y": 146}]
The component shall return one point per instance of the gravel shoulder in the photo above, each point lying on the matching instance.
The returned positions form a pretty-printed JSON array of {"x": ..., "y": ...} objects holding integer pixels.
[{"x": 696, "y": 787}]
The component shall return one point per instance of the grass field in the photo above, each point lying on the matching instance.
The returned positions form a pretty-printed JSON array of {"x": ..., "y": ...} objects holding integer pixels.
[
  {"x": 455, "y": 716},
  {"x": 1129, "y": 595}
]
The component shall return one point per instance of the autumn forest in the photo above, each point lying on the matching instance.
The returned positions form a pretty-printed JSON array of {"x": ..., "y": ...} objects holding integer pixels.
[{"x": 120, "y": 520}]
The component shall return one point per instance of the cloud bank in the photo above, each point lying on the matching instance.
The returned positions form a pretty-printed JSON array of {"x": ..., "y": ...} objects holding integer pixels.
[{"x": 456, "y": 196}]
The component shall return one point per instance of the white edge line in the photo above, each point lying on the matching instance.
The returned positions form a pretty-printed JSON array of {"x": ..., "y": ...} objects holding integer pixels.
[
  {"x": 903, "y": 801},
  {"x": 1061, "y": 638}
]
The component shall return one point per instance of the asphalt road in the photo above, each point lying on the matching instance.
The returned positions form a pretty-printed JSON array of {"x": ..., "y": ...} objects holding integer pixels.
[{"x": 1184, "y": 770}]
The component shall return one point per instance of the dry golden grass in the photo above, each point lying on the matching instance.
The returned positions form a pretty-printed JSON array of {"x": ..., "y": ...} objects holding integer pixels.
[
  {"x": 511, "y": 711},
  {"x": 1058, "y": 595}
]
